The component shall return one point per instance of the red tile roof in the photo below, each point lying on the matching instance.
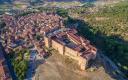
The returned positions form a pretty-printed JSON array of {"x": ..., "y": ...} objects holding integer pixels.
[{"x": 4, "y": 71}]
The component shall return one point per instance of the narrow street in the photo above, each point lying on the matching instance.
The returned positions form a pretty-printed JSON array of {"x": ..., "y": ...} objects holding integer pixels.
[
  {"x": 32, "y": 66},
  {"x": 11, "y": 70},
  {"x": 111, "y": 68}
]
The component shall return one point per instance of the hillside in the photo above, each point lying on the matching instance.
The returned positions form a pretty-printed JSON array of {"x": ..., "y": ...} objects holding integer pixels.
[
  {"x": 108, "y": 29},
  {"x": 58, "y": 67}
]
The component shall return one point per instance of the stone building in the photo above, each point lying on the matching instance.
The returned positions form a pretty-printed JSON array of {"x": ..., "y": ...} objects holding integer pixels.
[{"x": 68, "y": 43}]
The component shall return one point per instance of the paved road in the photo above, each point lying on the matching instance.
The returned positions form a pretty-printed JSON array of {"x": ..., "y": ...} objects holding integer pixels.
[
  {"x": 13, "y": 75},
  {"x": 111, "y": 67},
  {"x": 32, "y": 66}
]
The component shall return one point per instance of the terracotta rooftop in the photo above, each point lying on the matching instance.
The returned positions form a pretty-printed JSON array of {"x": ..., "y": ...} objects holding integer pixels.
[{"x": 4, "y": 71}]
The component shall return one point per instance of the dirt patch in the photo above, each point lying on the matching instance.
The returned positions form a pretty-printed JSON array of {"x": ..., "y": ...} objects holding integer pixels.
[{"x": 58, "y": 67}]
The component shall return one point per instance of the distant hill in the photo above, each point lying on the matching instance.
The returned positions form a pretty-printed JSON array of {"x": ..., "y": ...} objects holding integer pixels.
[
  {"x": 72, "y": 0},
  {"x": 8, "y": 1},
  {"x": 81, "y": 0}
]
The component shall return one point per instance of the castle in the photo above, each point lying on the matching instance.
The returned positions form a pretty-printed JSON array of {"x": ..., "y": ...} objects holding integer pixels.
[{"x": 67, "y": 42}]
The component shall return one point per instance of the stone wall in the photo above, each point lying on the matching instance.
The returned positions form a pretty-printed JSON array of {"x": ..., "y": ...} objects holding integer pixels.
[
  {"x": 59, "y": 47},
  {"x": 47, "y": 41},
  {"x": 82, "y": 62},
  {"x": 71, "y": 53},
  {"x": 64, "y": 50}
]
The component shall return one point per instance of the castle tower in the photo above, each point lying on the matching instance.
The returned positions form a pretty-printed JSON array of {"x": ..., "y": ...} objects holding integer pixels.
[
  {"x": 82, "y": 63},
  {"x": 47, "y": 41}
]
